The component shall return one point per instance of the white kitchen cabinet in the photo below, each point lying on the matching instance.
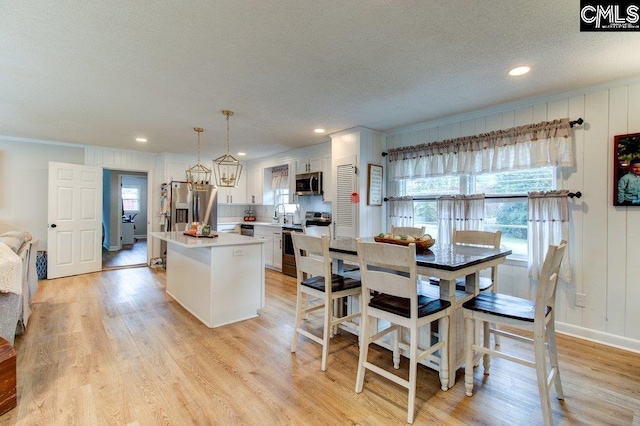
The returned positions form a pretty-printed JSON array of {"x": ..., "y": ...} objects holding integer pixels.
[
  {"x": 266, "y": 233},
  {"x": 326, "y": 178},
  {"x": 236, "y": 195},
  {"x": 255, "y": 186},
  {"x": 310, "y": 164},
  {"x": 273, "y": 244},
  {"x": 293, "y": 198},
  {"x": 277, "y": 248}
]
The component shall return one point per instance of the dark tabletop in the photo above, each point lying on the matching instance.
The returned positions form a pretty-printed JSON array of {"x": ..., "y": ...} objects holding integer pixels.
[{"x": 449, "y": 257}]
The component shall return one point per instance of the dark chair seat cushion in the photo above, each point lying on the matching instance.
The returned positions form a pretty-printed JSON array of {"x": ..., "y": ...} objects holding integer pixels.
[
  {"x": 400, "y": 305},
  {"x": 338, "y": 282},
  {"x": 504, "y": 306},
  {"x": 485, "y": 283}
]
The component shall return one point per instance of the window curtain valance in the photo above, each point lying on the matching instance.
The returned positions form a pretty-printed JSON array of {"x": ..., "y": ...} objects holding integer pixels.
[
  {"x": 535, "y": 145},
  {"x": 280, "y": 177}
]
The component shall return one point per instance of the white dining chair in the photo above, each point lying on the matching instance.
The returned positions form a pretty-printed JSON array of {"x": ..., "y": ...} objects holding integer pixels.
[
  {"x": 536, "y": 316},
  {"x": 389, "y": 293},
  {"x": 319, "y": 289}
]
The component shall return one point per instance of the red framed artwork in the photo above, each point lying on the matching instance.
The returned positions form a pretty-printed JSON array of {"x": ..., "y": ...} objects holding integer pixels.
[{"x": 626, "y": 170}]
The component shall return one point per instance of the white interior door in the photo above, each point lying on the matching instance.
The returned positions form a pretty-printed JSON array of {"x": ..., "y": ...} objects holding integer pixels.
[{"x": 74, "y": 239}]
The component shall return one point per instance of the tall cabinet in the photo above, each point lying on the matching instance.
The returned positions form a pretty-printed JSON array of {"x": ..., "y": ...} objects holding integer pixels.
[{"x": 351, "y": 152}]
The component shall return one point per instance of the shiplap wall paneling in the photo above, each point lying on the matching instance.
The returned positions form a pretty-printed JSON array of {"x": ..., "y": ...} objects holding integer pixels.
[
  {"x": 632, "y": 296},
  {"x": 596, "y": 250},
  {"x": 621, "y": 251},
  {"x": 467, "y": 128},
  {"x": 573, "y": 180}
]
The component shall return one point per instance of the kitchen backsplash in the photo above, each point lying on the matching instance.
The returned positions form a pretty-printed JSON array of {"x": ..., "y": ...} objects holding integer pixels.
[{"x": 265, "y": 213}]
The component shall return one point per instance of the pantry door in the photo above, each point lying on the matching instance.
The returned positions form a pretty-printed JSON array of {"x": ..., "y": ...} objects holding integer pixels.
[{"x": 74, "y": 238}]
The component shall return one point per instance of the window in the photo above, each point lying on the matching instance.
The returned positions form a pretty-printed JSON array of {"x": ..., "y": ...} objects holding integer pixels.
[
  {"x": 131, "y": 199},
  {"x": 425, "y": 212},
  {"x": 282, "y": 197},
  {"x": 507, "y": 214}
]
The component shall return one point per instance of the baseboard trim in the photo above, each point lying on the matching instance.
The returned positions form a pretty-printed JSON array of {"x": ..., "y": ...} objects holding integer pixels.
[{"x": 599, "y": 337}]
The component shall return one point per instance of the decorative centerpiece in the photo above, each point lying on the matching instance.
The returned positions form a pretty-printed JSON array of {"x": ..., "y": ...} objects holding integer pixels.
[
  {"x": 200, "y": 230},
  {"x": 422, "y": 242}
]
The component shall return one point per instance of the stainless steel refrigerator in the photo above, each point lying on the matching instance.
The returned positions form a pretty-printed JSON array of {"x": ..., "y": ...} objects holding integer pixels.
[{"x": 192, "y": 206}]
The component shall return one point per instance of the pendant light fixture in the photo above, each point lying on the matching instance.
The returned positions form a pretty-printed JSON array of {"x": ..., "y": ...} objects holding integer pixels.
[
  {"x": 227, "y": 168},
  {"x": 198, "y": 176}
]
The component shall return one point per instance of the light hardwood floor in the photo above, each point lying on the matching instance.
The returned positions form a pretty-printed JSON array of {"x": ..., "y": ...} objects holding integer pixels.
[
  {"x": 130, "y": 255},
  {"x": 113, "y": 348}
]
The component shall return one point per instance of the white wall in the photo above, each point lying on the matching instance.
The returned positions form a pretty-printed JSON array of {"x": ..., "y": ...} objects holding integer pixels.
[
  {"x": 603, "y": 245},
  {"x": 24, "y": 173},
  {"x": 604, "y": 249}
]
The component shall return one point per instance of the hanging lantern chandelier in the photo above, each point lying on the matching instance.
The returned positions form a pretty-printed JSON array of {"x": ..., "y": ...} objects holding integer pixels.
[
  {"x": 198, "y": 176},
  {"x": 227, "y": 168}
]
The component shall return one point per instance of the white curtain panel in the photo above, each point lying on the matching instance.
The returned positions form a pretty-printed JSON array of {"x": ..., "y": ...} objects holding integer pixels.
[
  {"x": 525, "y": 147},
  {"x": 459, "y": 212},
  {"x": 280, "y": 177},
  {"x": 548, "y": 225},
  {"x": 401, "y": 211}
]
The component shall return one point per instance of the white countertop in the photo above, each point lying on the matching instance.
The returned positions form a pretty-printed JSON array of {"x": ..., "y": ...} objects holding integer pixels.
[
  {"x": 255, "y": 223},
  {"x": 222, "y": 240}
]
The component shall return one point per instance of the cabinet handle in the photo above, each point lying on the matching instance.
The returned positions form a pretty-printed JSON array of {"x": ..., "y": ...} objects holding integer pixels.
[{"x": 231, "y": 198}]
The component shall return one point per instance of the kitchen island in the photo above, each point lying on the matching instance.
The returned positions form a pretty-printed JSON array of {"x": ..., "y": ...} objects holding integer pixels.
[{"x": 219, "y": 280}]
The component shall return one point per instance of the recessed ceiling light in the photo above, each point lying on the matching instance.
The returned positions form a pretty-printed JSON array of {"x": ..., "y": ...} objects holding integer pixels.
[
  {"x": 319, "y": 130},
  {"x": 141, "y": 140},
  {"x": 242, "y": 153},
  {"x": 519, "y": 71}
]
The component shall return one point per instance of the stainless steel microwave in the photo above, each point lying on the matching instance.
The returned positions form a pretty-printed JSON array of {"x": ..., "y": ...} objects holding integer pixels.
[{"x": 309, "y": 183}]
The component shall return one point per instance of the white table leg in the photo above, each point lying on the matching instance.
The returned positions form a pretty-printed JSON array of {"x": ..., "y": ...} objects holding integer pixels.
[{"x": 448, "y": 292}]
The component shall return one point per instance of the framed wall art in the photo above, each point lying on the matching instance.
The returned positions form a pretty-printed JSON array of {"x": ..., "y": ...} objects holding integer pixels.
[
  {"x": 626, "y": 170},
  {"x": 374, "y": 185}
]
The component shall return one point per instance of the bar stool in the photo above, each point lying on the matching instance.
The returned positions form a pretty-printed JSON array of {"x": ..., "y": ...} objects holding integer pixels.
[
  {"x": 389, "y": 272},
  {"x": 313, "y": 266},
  {"x": 484, "y": 239},
  {"x": 524, "y": 315}
]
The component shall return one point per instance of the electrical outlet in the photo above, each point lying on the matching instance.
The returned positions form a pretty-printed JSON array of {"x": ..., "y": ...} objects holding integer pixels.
[
  {"x": 581, "y": 300},
  {"x": 237, "y": 252}
]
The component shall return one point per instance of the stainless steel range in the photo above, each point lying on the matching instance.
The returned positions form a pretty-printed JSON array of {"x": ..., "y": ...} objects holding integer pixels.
[{"x": 288, "y": 254}]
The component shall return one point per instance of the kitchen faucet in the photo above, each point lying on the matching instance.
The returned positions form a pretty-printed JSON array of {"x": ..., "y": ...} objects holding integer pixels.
[{"x": 284, "y": 211}]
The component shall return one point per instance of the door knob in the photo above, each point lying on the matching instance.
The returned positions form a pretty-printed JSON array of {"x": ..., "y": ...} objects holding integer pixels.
[{"x": 53, "y": 225}]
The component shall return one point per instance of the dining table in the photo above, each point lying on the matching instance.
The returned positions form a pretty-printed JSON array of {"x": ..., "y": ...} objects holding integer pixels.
[{"x": 441, "y": 265}]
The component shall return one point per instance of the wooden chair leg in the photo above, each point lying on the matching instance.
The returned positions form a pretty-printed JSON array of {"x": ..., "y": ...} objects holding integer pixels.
[
  {"x": 365, "y": 332},
  {"x": 469, "y": 337},
  {"x": 297, "y": 321},
  {"x": 486, "y": 358},
  {"x": 413, "y": 373},
  {"x": 395, "y": 342},
  {"x": 496, "y": 337},
  {"x": 553, "y": 357},
  {"x": 541, "y": 372},
  {"x": 326, "y": 333}
]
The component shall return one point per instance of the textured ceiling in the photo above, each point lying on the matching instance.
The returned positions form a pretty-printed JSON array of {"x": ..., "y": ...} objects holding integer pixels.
[{"x": 105, "y": 72}]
